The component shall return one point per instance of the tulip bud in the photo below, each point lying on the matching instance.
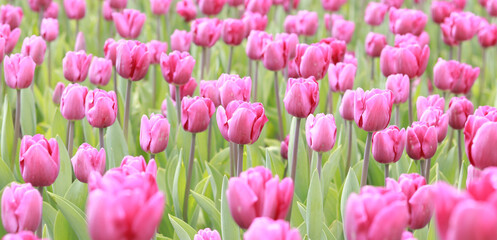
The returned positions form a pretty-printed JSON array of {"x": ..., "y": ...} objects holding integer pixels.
[
  {"x": 21, "y": 208},
  {"x": 393, "y": 3},
  {"x": 290, "y": 24},
  {"x": 308, "y": 23},
  {"x": 258, "y": 6},
  {"x": 478, "y": 135},
  {"x": 410, "y": 60},
  {"x": 110, "y": 47},
  {"x": 454, "y": 76},
  {"x": 487, "y": 35},
  {"x": 388, "y": 144},
  {"x": 375, "y": 13},
  {"x": 424, "y": 103},
  {"x": 343, "y": 30},
  {"x": 211, "y": 7},
  {"x": 399, "y": 85},
  {"x": 39, "y": 160},
  {"x": 75, "y": 9},
  {"x": 347, "y": 105},
  {"x": 232, "y": 87},
  {"x": 107, "y": 11},
  {"x": 338, "y": 49},
  {"x": 278, "y": 52},
  {"x": 421, "y": 141},
  {"x": 177, "y": 67},
  {"x": 209, "y": 89},
  {"x": 156, "y": 48},
  {"x": 372, "y": 109},
  {"x": 254, "y": 22},
  {"x": 100, "y": 71},
  {"x": 313, "y": 60},
  {"x": 10, "y": 37},
  {"x": 76, "y": 65},
  {"x": 332, "y": 5},
  {"x": 206, "y": 31},
  {"x": 460, "y": 26},
  {"x": 52, "y": 11},
  {"x": 129, "y": 23},
  {"x": 184, "y": 90},
  {"x": 18, "y": 71},
  {"x": 341, "y": 77},
  {"x": 137, "y": 165},
  {"x": 186, "y": 9},
  {"x": 320, "y": 132},
  {"x": 181, "y": 41},
  {"x": 160, "y": 7},
  {"x": 72, "y": 102},
  {"x": 132, "y": 60},
  {"x": 80, "y": 44},
  {"x": 11, "y": 15},
  {"x": 441, "y": 10},
  {"x": 36, "y": 5},
  {"x": 233, "y": 31},
  {"x": 207, "y": 234},
  {"x": 256, "y": 43},
  {"x": 235, "y": 3},
  {"x": 375, "y": 42},
  {"x": 196, "y": 113},
  {"x": 460, "y": 108},
  {"x": 154, "y": 133},
  {"x": 284, "y": 147},
  {"x": 118, "y": 4},
  {"x": 301, "y": 96},
  {"x": 86, "y": 160},
  {"x": 57, "y": 93},
  {"x": 267, "y": 228},
  {"x": 49, "y": 29},
  {"x": 404, "y": 21},
  {"x": 101, "y": 108},
  {"x": 34, "y": 47}
]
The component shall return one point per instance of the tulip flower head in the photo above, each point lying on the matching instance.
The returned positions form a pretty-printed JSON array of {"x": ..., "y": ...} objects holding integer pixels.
[
  {"x": 388, "y": 144},
  {"x": 86, "y": 160},
  {"x": 267, "y": 228},
  {"x": 372, "y": 109},
  {"x": 301, "y": 96},
  {"x": 21, "y": 208},
  {"x": 154, "y": 133},
  {"x": 39, "y": 160}
]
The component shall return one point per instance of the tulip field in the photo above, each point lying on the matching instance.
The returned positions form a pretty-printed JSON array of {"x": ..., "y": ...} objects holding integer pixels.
[{"x": 248, "y": 119}]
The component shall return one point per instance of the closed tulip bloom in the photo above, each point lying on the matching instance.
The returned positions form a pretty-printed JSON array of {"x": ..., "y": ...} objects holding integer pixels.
[
  {"x": 118, "y": 4},
  {"x": 446, "y": 200},
  {"x": 410, "y": 60},
  {"x": 269, "y": 198},
  {"x": 404, "y": 21},
  {"x": 350, "y": 58},
  {"x": 290, "y": 24},
  {"x": 376, "y": 213},
  {"x": 393, "y": 3},
  {"x": 307, "y": 23},
  {"x": 284, "y": 147},
  {"x": 454, "y": 76},
  {"x": 186, "y": 9},
  {"x": 52, "y": 11},
  {"x": 343, "y": 30},
  {"x": 196, "y": 113},
  {"x": 132, "y": 60},
  {"x": 233, "y": 31},
  {"x": 473, "y": 175},
  {"x": 256, "y": 43},
  {"x": 110, "y": 47},
  {"x": 107, "y": 11},
  {"x": 410, "y": 39},
  {"x": 34, "y": 47},
  {"x": 254, "y": 22},
  {"x": 211, "y": 7},
  {"x": 57, "y": 93},
  {"x": 129, "y": 23},
  {"x": 184, "y": 90},
  {"x": 320, "y": 132},
  {"x": 21, "y": 208},
  {"x": 375, "y": 13},
  {"x": 124, "y": 207},
  {"x": 76, "y": 66},
  {"x": 258, "y": 6},
  {"x": 232, "y": 87},
  {"x": 423, "y": 103},
  {"x": 86, "y": 160},
  {"x": 24, "y": 235},
  {"x": 209, "y": 89},
  {"x": 347, "y": 105},
  {"x": 278, "y": 52},
  {"x": 156, "y": 48},
  {"x": 11, "y": 15},
  {"x": 101, "y": 108},
  {"x": 399, "y": 85},
  {"x": 39, "y": 160},
  {"x": 154, "y": 133},
  {"x": 206, "y": 31},
  {"x": 181, "y": 41},
  {"x": 313, "y": 60},
  {"x": 441, "y": 10},
  {"x": 341, "y": 76},
  {"x": 11, "y": 37},
  {"x": 241, "y": 122},
  {"x": 37, "y": 5},
  {"x": 491, "y": 8},
  {"x": 461, "y": 26},
  {"x": 177, "y": 67},
  {"x": 372, "y": 109},
  {"x": 18, "y": 71},
  {"x": 72, "y": 102},
  {"x": 235, "y": 3},
  {"x": 160, "y": 7},
  {"x": 75, "y": 9},
  {"x": 388, "y": 144},
  {"x": 487, "y": 35},
  {"x": 375, "y": 42},
  {"x": 332, "y": 5},
  {"x": 267, "y": 228},
  {"x": 80, "y": 44},
  {"x": 301, "y": 96},
  {"x": 478, "y": 135},
  {"x": 482, "y": 224},
  {"x": 290, "y": 42},
  {"x": 460, "y": 108},
  {"x": 137, "y": 165},
  {"x": 49, "y": 29},
  {"x": 421, "y": 141},
  {"x": 100, "y": 71},
  {"x": 207, "y": 234}
]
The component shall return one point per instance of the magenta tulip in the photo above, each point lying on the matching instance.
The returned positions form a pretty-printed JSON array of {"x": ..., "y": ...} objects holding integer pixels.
[
  {"x": 86, "y": 160},
  {"x": 399, "y": 85},
  {"x": 76, "y": 66},
  {"x": 211, "y": 7},
  {"x": 184, "y": 90},
  {"x": 57, "y": 93},
  {"x": 118, "y": 4},
  {"x": 107, "y": 11},
  {"x": 375, "y": 42},
  {"x": 487, "y": 35},
  {"x": 372, "y": 109},
  {"x": 235, "y": 3},
  {"x": 410, "y": 60},
  {"x": 301, "y": 96},
  {"x": 177, "y": 67},
  {"x": 388, "y": 144},
  {"x": 347, "y": 105},
  {"x": 454, "y": 76},
  {"x": 129, "y": 23},
  {"x": 181, "y": 41},
  {"x": 21, "y": 208},
  {"x": 80, "y": 44},
  {"x": 75, "y": 9},
  {"x": 254, "y": 22},
  {"x": 375, "y": 13},
  {"x": 478, "y": 137},
  {"x": 267, "y": 228},
  {"x": 132, "y": 60},
  {"x": 441, "y": 10},
  {"x": 320, "y": 132},
  {"x": 232, "y": 87},
  {"x": 52, "y": 11},
  {"x": 11, "y": 15},
  {"x": 232, "y": 31},
  {"x": 154, "y": 133},
  {"x": 460, "y": 108},
  {"x": 34, "y": 47},
  {"x": 100, "y": 71},
  {"x": 278, "y": 52},
  {"x": 421, "y": 141},
  {"x": 37, "y": 5},
  {"x": 39, "y": 160},
  {"x": 101, "y": 108},
  {"x": 156, "y": 48},
  {"x": 332, "y": 5},
  {"x": 341, "y": 77},
  {"x": 209, "y": 89},
  {"x": 404, "y": 21},
  {"x": 284, "y": 147},
  {"x": 196, "y": 113},
  {"x": 343, "y": 30},
  {"x": 137, "y": 165},
  {"x": 256, "y": 43},
  {"x": 18, "y": 71},
  {"x": 72, "y": 102},
  {"x": 207, "y": 234},
  {"x": 49, "y": 29},
  {"x": 424, "y": 103},
  {"x": 206, "y": 31},
  {"x": 460, "y": 26},
  {"x": 186, "y": 9},
  {"x": 110, "y": 47},
  {"x": 258, "y": 6},
  {"x": 160, "y": 7}
]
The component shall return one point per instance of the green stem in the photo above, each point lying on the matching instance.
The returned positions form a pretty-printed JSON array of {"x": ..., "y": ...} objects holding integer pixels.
[
  {"x": 240, "y": 159},
  {"x": 209, "y": 142},
  {"x": 70, "y": 143},
  {"x": 320, "y": 160},
  {"x": 230, "y": 59},
  {"x": 126, "y": 110},
  {"x": 349, "y": 150},
  {"x": 178, "y": 105},
  {"x": 278, "y": 104},
  {"x": 101, "y": 135},
  {"x": 365, "y": 165},
  {"x": 39, "y": 229},
  {"x": 188, "y": 179},
  {"x": 17, "y": 127}
]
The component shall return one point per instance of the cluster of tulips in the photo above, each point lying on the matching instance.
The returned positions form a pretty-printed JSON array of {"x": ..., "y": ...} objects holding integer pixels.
[{"x": 126, "y": 202}]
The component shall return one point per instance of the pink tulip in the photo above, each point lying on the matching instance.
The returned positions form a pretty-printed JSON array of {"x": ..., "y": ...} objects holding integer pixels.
[
  {"x": 393, "y": 3},
  {"x": 207, "y": 234},
  {"x": 129, "y": 23},
  {"x": 107, "y": 11},
  {"x": 269, "y": 229},
  {"x": 320, "y": 132},
  {"x": 269, "y": 198},
  {"x": 419, "y": 198},
  {"x": 347, "y": 105},
  {"x": 184, "y": 90},
  {"x": 343, "y": 30},
  {"x": 57, "y": 93},
  {"x": 163, "y": 108},
  {"x": 86, "y": 160},
  {"x": 154, "y": 133},
  {"x": 132, "y": 60},
  {"x": 375, "y": 13},
  {"x": 160, "y": 7},
  {"x": 37, "y": 5},
  {"x": 423, "y": 103},
  {"x": 101, "y": 108},
  {"x": 350, "y": 58},
  {"x": 487, "y": 35},
  {"x": 406, "y": 235},
  {"x": 72, "y": 102},
  {"x": 186, "y": 9},
  {"x": 313, "y": 60},
  {"x": 454, "y": 76},
  {"x": 110, "y": 47},
  {"x": 421, "y": 141},
  {"x": 34, "y": 47},
  {"x": 404, "y": 21},
  {"x": 388, "y": 144},
  {"x": 301, "y": 96},
  {"x": 307, "y": 23},
  {"x": 100, "y": 71},
  {"x": 258, "y": 6},
  {"x": 235, "y": 3},
  {"x": 441, "y": 10},
  {"x": 206, "y": 31},
  {"x": 21, "y": 208},
  {"x": 111, "y": 194},
  {"x": 18, "y": 71},
  {"x": 410, "y": 60},
  {"x": 254, "y": 22},
  {"x": 372, "y": 109},
  {"x": 332, "y": 5},
  {"x": 181, "y": 41},
  {"x": 341, "y": 77},
  {"x": 156, "y": 48},
  {"x": 375, "y": 42},
  {"x": 209, "y": 89},
  {"x": 11, "y": 15},
  {"x": 211, "y": 7},
  {"x": 409, "y": 39},
  {"x": 290, "y": 24},
  {"x": 399, "y": 85},
  {"x": 376, "y": 213},
  {"x": 232, "y": 87},
  {"x": 482, "y": 188},
  {"x": 460, "y": 108},
  {"x": 52, "y": 11},
  {"x": 290, "y": 42},
  {"x": 284, "y": 147},
  {"x": 49, "y": 29},
  {"x": 491, "y": 8},
  {"x": 76, "y": 66},
  {"x": 75, "y": 9},
  {"x": 137, "y": 165},
  {"x": 232, "y": 31},
  {"x": 80, "y": 44},
  {"x": 241, "y": 122},
  {"x": 473, "y": 175},
  {"x": 39, "y": 160},
  {"x": 177, "y": 67},
  {"x": 10, "y": 37},
  {"x": 277, "y": 53},
  {"x": 478, "y": 137},
  {"x": 461, "y": 26},
  {"x": 329, "y": 19},
  {"x": 24, "y": 235},
  {"x": 196, "y": 114},
  {"x": 446, "y": 200},
  {"x": 256, "y": 43}
]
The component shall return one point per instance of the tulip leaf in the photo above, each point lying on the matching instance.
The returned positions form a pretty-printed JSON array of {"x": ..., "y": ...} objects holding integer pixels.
[
  {"x": 229, "y": 229},
  {"x": 337, "y": 229},
  {"x": 209, "y": 207},
  {"x": 28, "y": 113},
  {"x": 330, "y": 168},
  {"x": 74, "y": 215},
  {"x": 6, "y": 175},
  {"x": 179, "y": 185},
  {"x": 115, "y": 145},
  {"x": 351, "y": 185},
  {"x": 77, "y": 194},
  {"x": 216, "y": 180},
  {"x": 64, "y": 179},
  {"x": 7, "y": 135},
  {"x": 49, "y": 216},
  {"x": 314, "y": 213},
  {"x": 59, "y": 125},
  {"x": 182, "y": 229},
  {"x": 62, "y": 230}
]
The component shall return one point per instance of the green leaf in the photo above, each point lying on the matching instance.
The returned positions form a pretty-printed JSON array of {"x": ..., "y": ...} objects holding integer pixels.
[
  {"x": 115, "y": 146},
  {"x": 64, "y": 179},
  {"x": 314, "y": 213},
  {"x": 49, "y": 217},
  {"x": 62, "y": 230},
  {"x": 28, "y": 113},
  {"x": 351, "y": 185},
  {"x": 182, "y": 229},
  {"x": 302, "y": 175},
  {"x": 6, "y": 175},
  {"x": 216, "y": 180},
  {"x": 209, "y": 207},
  {"x": 74, "y": 215},
  {"x": 178, "y": 186},
  {"x": 77, "y": 194},
  {"x": 7, "y": 135},
  {"x": 229, "y": 229}
]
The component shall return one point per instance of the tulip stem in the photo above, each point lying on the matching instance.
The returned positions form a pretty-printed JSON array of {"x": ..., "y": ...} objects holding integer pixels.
[
  {"x": 349, "y": 151},
  {"x": 99, "y": 24},
  {"x": 422, "y": 166},
  {"x": 230, "y": 59},
  {"x": 77, "y": 28},
  {"x": 330, "y": 101},
  {"x": 178, "y": 105},
  {"x": 49, "y": 63},
  {"x": 386, "y": 173},
  {"x": 459, "y": 147},
  {"x": 427, "y": 170},
  {"x": 202, "y": 67},
  {"x": 188, "y": 179},
  {"x": 117, "y": 94},
  {"x": 410, "y": 102},
  {"x": 209, "y": 142},
  {"x": 70, "y": 141},
  {"x": 320, "y": 160},
  {"x": 365, "y": 164},
  {"x": 459, "y": 52},
  {"x": 240, "y": 159},
  {"x": 40, "y": 18},
  {"x": 372, "y": 70},
  {"x": 451, "y": 52},
  {"x": 154, "y": 87},
  {"x": 152, "y": 156},
  {"x": 157, "y": 27},
  {"x": 17, "y": 126},
  {"x": 397, "y": 115},
  {"x": 482, "y": 79},
  {"x": 232, "y": 159},
  {"x": 294, "y": 162},
  {"x": 256, "y": 79},
  {"x": 39, "y": 229},
  {"x": 278, "y": 105},
  {"x": 126, "y": 110},
  {"x": 101, "y": 135}
]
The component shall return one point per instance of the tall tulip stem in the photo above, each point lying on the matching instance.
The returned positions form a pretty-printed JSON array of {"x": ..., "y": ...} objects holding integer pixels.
[
  {"x": 39, "y": 229},
  {"x": 204, "y": 60},
  {"x": 349, "y": 150},
  {"x": 240, "y": 159},
  {"x": 40, "y": 18},
  {"x": 178, "y": 105},
  {"x": 49, "y": 63},
  {"x": 365, "y": 164},
  {"x": 70, "y": 141},
  {"x": 209, "y": 142},
  {"x": 256, "y": 80},
  {"x": 230, "y": 59},
  {"x": 410, "y": 101},
  {"x": 397, "y": 115},
  {"x": 278, "y": 104},
  {"x": 422, "y": 166},
  {"x": 188, "y": 179},
  {"x": 232, "y": 159},
  {"x": 459, "y": 52},
  {"x": 126, "y": 110},
  {"x": 427, "y": 170},
  {"x": 77, "y": 29},
  {"x": 482, "y": 79},
  {"x": 99, "y": 24},
  {"x": 320, "y": 161},
  {"x": 157, "y": 27},
  {"x": 459, "y": 147},
  {"x": 101, "y": 136},
  {"x": 386, "y": 172},
  {"x": 372, "y": 69},
  {"x": 294, "y": 162},
  {"x": 451, "y": 52},
  {"x": 154, "y": 87},
  {"x": 17, "y": 126},
  {"x": 117, "y": 94}
]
